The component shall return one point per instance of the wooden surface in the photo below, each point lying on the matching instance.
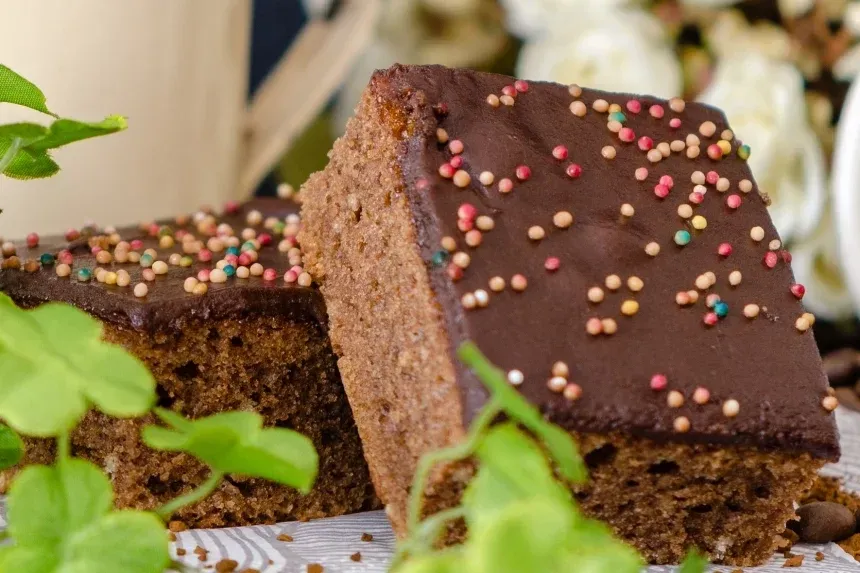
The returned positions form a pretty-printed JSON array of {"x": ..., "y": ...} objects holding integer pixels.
[{"x": 177, "y": 68}]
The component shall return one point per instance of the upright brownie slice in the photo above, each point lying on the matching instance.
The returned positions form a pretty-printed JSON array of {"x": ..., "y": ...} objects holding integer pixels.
[
  {"x": 611, "y": 253},
  {"x": 251, "y": 342}
]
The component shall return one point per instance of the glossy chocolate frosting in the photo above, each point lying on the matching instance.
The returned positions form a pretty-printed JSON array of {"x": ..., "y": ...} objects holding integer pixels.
[
  {"x": 168, "y": 306},
  {"x": 766, "y": 364}
]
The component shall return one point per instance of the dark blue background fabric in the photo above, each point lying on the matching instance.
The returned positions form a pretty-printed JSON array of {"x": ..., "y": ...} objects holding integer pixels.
[{"x": 275, "y": 25}]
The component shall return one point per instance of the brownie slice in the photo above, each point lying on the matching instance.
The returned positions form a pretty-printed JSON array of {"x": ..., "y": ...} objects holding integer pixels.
[
  {"x": 612, "y": 253},
  {"x": 253, "y": 343}
]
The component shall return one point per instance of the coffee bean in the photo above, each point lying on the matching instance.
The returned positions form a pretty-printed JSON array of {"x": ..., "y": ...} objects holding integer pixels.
[
  {"x": 841, "y": 366},
  {"x": 823, "y": 521}
]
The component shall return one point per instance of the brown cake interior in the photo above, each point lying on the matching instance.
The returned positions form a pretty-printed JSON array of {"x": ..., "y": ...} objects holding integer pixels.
[
  {"x": 282, "y": 369},
  {"x": 360, "y": 241}
]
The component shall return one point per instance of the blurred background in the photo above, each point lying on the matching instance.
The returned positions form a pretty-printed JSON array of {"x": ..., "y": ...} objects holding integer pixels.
[{"x": 228, "y": 98}]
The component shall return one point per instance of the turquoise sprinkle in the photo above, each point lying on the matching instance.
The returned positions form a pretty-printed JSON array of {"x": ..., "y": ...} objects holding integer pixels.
[
  {"x": 722, "y": 309},
  {"x": 682, "y": 238},
  {"x": 84, "y": 275},
  {"x": 744, "y": 152},
  {"x": 440, "y": 258},
  {"x": 229, "y": 270},
  {"x": 618, "y": 116},
  {"x": 146, "y": 260},
  {"x": 248, "y": 246},
  {"x": 47, "y": 259},
  {"x": 165, "y": 231},
  {"x": 233, "y": 251}
]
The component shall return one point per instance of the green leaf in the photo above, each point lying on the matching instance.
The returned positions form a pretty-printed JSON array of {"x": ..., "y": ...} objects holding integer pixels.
[
  {"x": 236, "y": 443},
  {"x": 512, "y": 469},
  {"x": 15, "y": 89},
  {"x": 693, "y": 563},
  {"x": 65, "y": 131},
  {"x": 61, "y": 521},
  {"x": 11, "y": 447},
  {"x": 27, "y": 164},
  {"x": 560, "y": 443},
  {"x": 55, "y": 365},
  {"x": 448, "y": 561},
  {"x": 26, "y": 132}
]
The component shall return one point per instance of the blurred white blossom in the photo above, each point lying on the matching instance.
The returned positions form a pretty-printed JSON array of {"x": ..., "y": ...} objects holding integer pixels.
[
  {"x": 816, "y": 266},
  {"x": 795, "y": 8},
  {"x": 606, "y": 47},
  {"x": 709, "y": 3},
  {"x": 531, "y": 18},
  {"x": 764, "y": 102},
  {"x": 730, "y": 34}
]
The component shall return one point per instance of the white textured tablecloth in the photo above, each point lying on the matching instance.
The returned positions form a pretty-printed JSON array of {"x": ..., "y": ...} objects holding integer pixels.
[{"x": 331, "y": 542}]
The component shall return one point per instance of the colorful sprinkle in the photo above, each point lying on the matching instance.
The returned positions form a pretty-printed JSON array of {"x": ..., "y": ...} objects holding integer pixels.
[
  {"x": 641, "y": 174},
  {"x": 721, "y": 309},
  {"x": 710, "y": 319},
  {"x": 681, "y": 424},
  {"x": 572, "y": 391},
  {"x": 573, "y": 170},
  {"x": 701, "y": 396},
  {"x": 559, "y": 152},
  {"x": 523, "y": 172},
  {"x": 519, "y": 283},
  {"x": 652, "y": 249},
  {"x": 613, "y": 282},
  {"x": 744, "y": 152},
  {"x": 798, "y": 290},
  {"x": 141, "y": 290},
  {"x": 609, "y": 326},
  {"x": 682, "y": 238},
  {"x": 659, "y": 382},
  {"x": 674, "y": 399},
  {"x": 751, "y": 310},
  {"x": 595, "y": 294},
  {"x": 656, "y": 111},
  {"x": 593, "y": 326},
  {"x": 770, "y": 259},
  {"x": 645, "y": 143},
  {"x": 699, "y": 223},
  {"x": 629, "y": 307},
  {"x": 724, "y": 249},
  {"x": 515, "y": 377},
  {"x": 552, "y": 264},
  {"x": 608, "y": 152},
  {"x": 757, "y": 234}
]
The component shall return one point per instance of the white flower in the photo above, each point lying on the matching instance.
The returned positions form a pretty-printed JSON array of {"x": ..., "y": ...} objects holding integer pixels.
[
  {"x": 763, "y": 100},
  {"x": 531, "y": 18},
  {"x": 600, "y": 46},
  {"x": 816, "y": 265},
  {"x": 709, "y": 3}
]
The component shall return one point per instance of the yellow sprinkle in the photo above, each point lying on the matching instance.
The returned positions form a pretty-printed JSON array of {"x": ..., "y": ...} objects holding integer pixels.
[
  {"x": 629, "y": 307},
  {"x": 724, "y": 146},
  {"x": 699, "y": 222}
]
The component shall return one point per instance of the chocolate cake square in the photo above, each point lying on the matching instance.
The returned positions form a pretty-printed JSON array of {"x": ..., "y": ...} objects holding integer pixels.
[
  {"x": 612, "y": 253},
  {"x": 252, "y": 341}
]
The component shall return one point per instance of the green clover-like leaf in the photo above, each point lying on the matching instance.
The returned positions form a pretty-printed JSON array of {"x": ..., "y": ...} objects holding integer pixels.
[
  {"x": 694, "y": 562},
  {"x": 16, "y": 89},
  {"x": 11, "y": 447},
  {"x": 558, "y": 442},
  {"x": 236, "y": 443},
  {"x": 60, "y": 520},
  {"x": 55, "y": 365},
  {"x": 65, "y": 131}
]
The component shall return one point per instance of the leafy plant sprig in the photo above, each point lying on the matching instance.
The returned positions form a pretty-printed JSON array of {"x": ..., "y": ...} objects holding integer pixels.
[
  {"x": 518, "y": 508},
  {"x": 25, "y": 148},
  {"x": 56, "y": 368}
]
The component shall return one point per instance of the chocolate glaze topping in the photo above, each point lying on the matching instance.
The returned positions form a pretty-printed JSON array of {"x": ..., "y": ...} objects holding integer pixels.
[
  {"x": 766, "y": 364},
  {"x": 168, "y": 306}
]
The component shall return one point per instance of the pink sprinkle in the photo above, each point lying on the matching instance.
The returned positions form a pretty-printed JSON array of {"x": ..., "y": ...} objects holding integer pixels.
[
  {"x": 136, "y": 245},
  {"x": 446, "y": 170},
  {"x": 715, "y": 152},
  {"x": 701, "y": 395},
  {"x": 467, "y": 211},
  {"x": 634, "y": 106},
  {"x": 231, "y": 207},
  {"x": 724, "y": 250},
  {"x": 270, "y": 275},
  {"x": 96, "y": 250},
  {"x": 203, "y": 276},
  {"x": 32, "y": 240},
  {"x": 456, "y": 162},
  {"x": 454, "y": 272},
  {"x": 179, "y": 234},
  {"x": 646, "y": 143},
  {"x": 667, "y": 181},
  {"x": 711, "y": 300},
  {"x": 65, "y": 257},
  {"x": 574, "y": 170},
  {"x": 244, "y": 260},
  {"x": 231, "y": 259},
  {"x": 770, "y": 259},
  {"x": 733, "y": 201},
  {"x": 656, "y": 111},
  {"x": 552, "y": 264},
  {"x": 712, "y": 177},
  {"x": 641, "y": 174},
  {"x": 265, "y": 239},
  {"x": 521, "y": 86},
  {"x": 559, "y": 152},
  {"x": 626, "y": 135},
  {"x": 675, "y": 122},
  {"x": 659, "y": 382},
  {"x": 786, "y": 256},
  {"x": 153, "y": 230},
  {"x": 506, "y": 185},
  {"x": 297, "y": 269},
  {"x": 204, "y": 255},
  {"x": 696, "y": 197},
  {"x": 456, "y": 146},
  {"x": 798, "y": 290},
  {"x": 465, "y": 225},
  {"x": 148, "y": 274},
  {"x": 523, "y": 172},
  {"x": 661, "y": 191},
  {"x": 291, "y": 240},
  {"x": 290, "y": 277},
  {"x": 73, "y": 235},
  {"x": 509, "y": 91},
  {"x": 710, "y": 319}
]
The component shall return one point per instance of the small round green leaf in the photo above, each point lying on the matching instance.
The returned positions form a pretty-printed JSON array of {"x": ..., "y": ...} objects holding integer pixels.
[{"x": 11, "y": 447}]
